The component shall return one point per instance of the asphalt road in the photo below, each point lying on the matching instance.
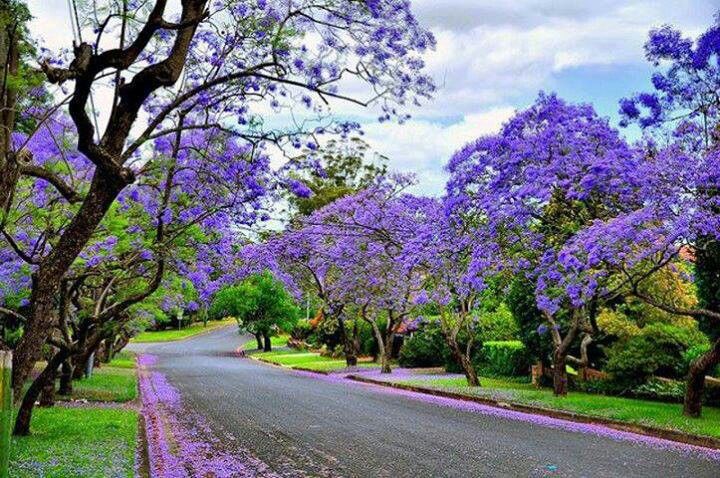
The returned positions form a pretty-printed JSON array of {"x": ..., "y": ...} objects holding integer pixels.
[{"x": 300, "y": 425}]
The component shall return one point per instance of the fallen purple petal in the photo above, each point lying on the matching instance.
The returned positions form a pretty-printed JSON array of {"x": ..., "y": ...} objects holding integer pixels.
[
  {"x": 596, "y": 429},
  {"x": 180, "y": 443}
]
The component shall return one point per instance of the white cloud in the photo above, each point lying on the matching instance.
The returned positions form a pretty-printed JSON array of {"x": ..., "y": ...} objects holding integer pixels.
[
  {"x": 424, "y": 147},
  {"x": 490, "y": 54}
]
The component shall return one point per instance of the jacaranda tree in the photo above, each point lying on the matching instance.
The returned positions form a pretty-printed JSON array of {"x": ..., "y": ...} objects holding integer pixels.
[
  {"x": 529, "y": 190},
  {"x": 235, "y": 59},
  {"x": 678, "y": 213},
  {"x": 154, "y": 233}
]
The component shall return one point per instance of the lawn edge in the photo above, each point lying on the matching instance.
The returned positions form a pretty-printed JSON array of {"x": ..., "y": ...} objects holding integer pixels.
[
  {"x": 212, "y": 329},
  {"x": 275, "y": 364},
  {"x": 663, "y": 433}
]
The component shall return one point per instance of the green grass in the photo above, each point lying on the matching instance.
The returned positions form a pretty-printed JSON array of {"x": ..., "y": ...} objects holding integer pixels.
[
  {"x": 113, "y": 382},
  {"x": 76, "y": 442},
  {"x": 184, "y": 333},
  {"x": 308, "y": 360},
  {"x": 123, "y": 360},
  {"x": 644, "y": 412},
  {"x": 277, "y": 341}
]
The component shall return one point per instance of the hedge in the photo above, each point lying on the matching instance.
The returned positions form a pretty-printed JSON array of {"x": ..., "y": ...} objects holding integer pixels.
[{"x": 504, "y": 358}]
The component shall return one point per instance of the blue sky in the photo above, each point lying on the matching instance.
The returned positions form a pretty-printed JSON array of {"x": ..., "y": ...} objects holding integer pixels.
[{"x": 493, "y": 58}]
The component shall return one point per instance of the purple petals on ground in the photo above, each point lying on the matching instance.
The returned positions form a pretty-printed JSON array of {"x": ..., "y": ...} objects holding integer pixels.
[
  {"x": 540, "y": 420},
  {"x": 180, "y": 443}
]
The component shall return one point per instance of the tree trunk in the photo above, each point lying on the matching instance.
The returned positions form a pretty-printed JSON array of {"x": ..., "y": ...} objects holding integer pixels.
[
  {"x": 46, "y": 280},
  {"x": 9, "y": 165},
  {"x": 66, "y": 373},
  {"x": 80, "y": 362},
  {"x": 560, "y": 378},
  {"x": 385, "y": 360},
  {"x": 22, "y": 421},
  {"x": 692, "y": 406},
  {"x": 103, "y": 354},
  {"x": 349, "y": 343},
  {"x": 383, "y": 350},
  {"x": 259, "y": 339},
  {"x": 387, "y": 353},
  {"x": 47, "y": 395},
  {"x": 119, "y": 344},
  {"x": 268, "y": 343},
  {"x": 78, "y": 369},
  {"x": 464, "y": 362}
]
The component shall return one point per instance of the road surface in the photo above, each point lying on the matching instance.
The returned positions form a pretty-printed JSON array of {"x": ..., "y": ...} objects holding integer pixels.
[{"x": 300, "y": 425}]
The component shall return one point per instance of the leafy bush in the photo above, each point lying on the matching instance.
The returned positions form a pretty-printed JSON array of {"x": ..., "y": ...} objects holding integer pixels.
[
  {"x": 368, "y": 343},
  {"x": 504, "y": 358},
  {"x": 521, "y": 303},
  {"x": 302, "y": 330},
  {"x": 498, "y": 324},
  {"x": 601, "y": 387},
  {"x": 663, "y": 390},
  {"x": 657, "y": 350},
  {"x": 426, "y": 348}
]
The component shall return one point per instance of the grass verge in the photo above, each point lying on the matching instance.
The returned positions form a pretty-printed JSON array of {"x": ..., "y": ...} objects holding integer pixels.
[
  {"x": 113, "y": 382},
  {"x": 84, "y": 441},
  {"x": 308, "y": 360},
  {"x": 76, "y": 442},
  {"x": 277, "y": 341},
  {"x": 629, "y": 410},
  {"x": 184, "y": 333}
]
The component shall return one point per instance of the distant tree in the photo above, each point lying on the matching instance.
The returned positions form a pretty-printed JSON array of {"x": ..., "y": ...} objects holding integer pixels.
[
  {"x": 261, "y": 306},
  {"x": 342, "y": 167}
]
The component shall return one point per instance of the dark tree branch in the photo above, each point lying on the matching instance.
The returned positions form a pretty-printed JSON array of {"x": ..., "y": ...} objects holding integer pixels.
[
  {"x": 14, "y": 314},
  {"x": 62, "y": 187}
]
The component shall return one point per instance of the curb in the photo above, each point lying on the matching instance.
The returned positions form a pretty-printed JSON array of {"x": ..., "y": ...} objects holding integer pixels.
[
  {"x": 671, "y": 435},
  {"x": 142, "y": 454},
  {"x": 301, "y": 369}
]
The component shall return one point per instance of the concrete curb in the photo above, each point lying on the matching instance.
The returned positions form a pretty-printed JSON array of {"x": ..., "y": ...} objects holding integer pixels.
[
  {"x": 672, "y": 435},
  {"x": 142, "y": 453}
]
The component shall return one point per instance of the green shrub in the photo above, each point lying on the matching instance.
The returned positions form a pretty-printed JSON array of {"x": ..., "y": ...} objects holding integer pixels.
[
  {"x": 504, "y": 358},
  {"x": 662, "y": 390},
  {"x": 657, "y": 350},
  {"x": 301, "y": 330},
  {"x": 426, "y": 348},
  {"x": 601, "y": 387},
  {"x": 498, "y": 324},
  {"x": 366, "y": 338},
  {"x": 522, "y": 304}
]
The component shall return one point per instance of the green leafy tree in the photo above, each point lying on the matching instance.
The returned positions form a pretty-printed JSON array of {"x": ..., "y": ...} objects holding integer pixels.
[
  {"x": 261, "y": 306},
  {"x": 343, "y": 167}
]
